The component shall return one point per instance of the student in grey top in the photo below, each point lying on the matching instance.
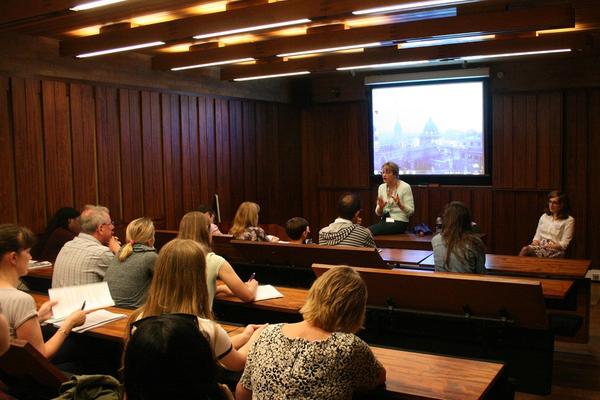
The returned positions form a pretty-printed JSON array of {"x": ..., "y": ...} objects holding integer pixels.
[
  {"x": 130, "y": 272},
  {"x": 85, "y": 259},
  {"x": 457, "y": 248},
  {"x": 343, "y": 231}
]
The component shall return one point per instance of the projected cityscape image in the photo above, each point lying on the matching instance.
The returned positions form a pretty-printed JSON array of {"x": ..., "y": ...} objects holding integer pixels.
[{"x": 434, "y": 129}]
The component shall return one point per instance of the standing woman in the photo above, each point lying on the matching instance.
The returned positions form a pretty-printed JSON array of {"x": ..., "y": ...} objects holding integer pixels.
[
  {"x": 555, "y": 229},
  {"x": 129, "y": 273},
  {"x": 195, "y": 225},
  {"x": 179, "y": 286},
  {"x": 395, "y": 203},
  {"x": 245, "y": 224},
  {"x": 19, "y": 307},
  {"x": 62, "y": 227},
  {"x": 458, "y": 248}
]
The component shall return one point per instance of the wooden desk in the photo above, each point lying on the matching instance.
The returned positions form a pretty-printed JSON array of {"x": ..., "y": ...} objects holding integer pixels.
[
  {"x": 404, "y": 241},
  {"x": 41, "y": 273},
  {"x": 437, "y": 377},
  {"x": 534, "y": 266},
  {"x": 115, "y": 330},
  {"x": 292, "y": 301},
  {"x": 404, "y": 256}
]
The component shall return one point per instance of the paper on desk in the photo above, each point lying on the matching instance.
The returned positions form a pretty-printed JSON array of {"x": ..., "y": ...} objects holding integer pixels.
[
  {"x": 95, "y": 295},
  {"x": 38, "y": 264},
  {"x": 266, "y": 292},
  {"x": 95, "y": 319}
]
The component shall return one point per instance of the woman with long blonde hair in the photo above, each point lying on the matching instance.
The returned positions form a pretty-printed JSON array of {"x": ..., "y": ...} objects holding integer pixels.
[
  {"x": 245, "y": 224},
  {"x": 130, "y": 272},
  {"x": 196, "y": 226},
  {"x": 179, "y": 286}
]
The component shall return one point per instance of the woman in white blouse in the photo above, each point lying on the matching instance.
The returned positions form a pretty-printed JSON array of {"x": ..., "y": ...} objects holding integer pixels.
[
  {"x": 554, "y": 231},
  {"x": 395, "y": 203}
]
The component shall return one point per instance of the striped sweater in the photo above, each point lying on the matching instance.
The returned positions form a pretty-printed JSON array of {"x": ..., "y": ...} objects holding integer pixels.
[{"x": 343, "y": 232}]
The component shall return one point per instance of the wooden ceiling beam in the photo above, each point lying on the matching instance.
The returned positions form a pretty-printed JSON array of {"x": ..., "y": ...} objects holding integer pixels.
[
  {"x": 575, "y": 40},
  {"x": 506, "y": 21},
  {"x": 204, "y": 24},
  {"x": 19, "y": 10}
]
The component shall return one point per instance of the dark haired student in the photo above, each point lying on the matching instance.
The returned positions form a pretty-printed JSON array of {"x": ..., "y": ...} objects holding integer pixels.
[
  {"x": 555, "y": 229},
  {"x": 62, "y": 227},
  {"x": 458, "y": 248},
  {"x": 395, "y": 203},
  {"x": 297, "y": 230}
]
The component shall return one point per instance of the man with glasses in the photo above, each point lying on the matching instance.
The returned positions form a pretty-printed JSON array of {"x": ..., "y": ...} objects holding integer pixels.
[{"x": 85, "y": 259}]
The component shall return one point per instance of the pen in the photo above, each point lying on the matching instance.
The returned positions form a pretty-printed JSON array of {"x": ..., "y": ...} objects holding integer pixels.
[
  {"x": 83, "y": 305},
  {"x": 252, "y": 276}
]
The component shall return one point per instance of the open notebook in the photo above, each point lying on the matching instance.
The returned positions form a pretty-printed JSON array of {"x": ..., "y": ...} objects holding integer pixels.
[
  {"x": 266, "y": 292},
  {"x": 95, "y": 319}
]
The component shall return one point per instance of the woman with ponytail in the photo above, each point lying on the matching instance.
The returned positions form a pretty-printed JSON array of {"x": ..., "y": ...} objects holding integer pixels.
[{"x": 130, "y": 273}]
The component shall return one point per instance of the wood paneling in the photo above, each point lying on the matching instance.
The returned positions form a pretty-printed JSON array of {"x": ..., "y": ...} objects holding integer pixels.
[{"x": 142, "y": 152}]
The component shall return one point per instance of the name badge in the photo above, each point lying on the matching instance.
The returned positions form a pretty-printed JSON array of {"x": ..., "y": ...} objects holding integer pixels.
[{"x": 388, "y": 219}]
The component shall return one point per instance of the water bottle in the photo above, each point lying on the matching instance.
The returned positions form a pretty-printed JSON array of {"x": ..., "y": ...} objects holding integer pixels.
[{"x": 438, "y": 224}]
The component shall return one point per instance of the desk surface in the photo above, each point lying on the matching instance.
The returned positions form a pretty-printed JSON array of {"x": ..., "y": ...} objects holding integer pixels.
[
  {"x": 292, "y": 301},
  {"x": 436, "y": 377},
  {"x": 404, "y": 256},
  {"x": 404, "y": 241},
  {"x": 413, "y": 374},
  {"x": 534, "y": 266}
]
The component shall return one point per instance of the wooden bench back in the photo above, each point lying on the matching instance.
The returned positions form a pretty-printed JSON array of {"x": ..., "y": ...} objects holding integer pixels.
[
  {"x": 24, "y": 363},
  {"x": 519, "y": 300},
  {"x": 304, "y": 255}
]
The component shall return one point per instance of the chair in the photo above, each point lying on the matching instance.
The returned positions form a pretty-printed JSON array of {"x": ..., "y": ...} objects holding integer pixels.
[{"x": 28, "y": 373}]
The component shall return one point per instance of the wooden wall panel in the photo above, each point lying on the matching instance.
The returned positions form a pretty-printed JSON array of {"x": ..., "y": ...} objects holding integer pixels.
[
  {"x": 208, "y": 167},
  {"x": 108, "y": 154},
  {"x": 589, "y": 217},
  {"x": 83, "y": 140},
  {"x": 172, "y": 160},
  {"x": 223, "y": 160},
  {"x": 289, "y": 182},
  {"x": 57, "y": 146},
  {"x": 131, "y": 153},
  {"x": 29, "y": 156},
  {"x": 8, "y": 211},
  {"x": 263, "y": 160},
  {"x": 189, "y": 153},
  {"x": 236, "y": 140},
  {"x": 152, "y": 171},
  {"x": 249, "y": 133}
]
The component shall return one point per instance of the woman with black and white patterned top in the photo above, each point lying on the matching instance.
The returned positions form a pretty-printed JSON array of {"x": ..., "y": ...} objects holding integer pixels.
[{"x": 320, "y": 357}]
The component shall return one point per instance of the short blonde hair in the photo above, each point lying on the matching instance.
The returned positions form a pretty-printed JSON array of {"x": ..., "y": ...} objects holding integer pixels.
[
  {"x": 195, "y": 225},
  {"x": 139, "y": 230},
  {"x": 245, "y": 216},
  {"x": 336, "y": 301}
]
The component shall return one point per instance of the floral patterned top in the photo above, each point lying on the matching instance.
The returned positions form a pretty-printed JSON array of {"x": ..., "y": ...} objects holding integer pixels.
[
  {"x": 279, "y": 367},
  {"x": 253, "y": 233}
]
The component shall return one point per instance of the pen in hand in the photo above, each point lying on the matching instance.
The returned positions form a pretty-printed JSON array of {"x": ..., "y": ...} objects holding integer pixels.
[
  {"x": 252, "y": 276},
  {"x": 83, "y": 305}
]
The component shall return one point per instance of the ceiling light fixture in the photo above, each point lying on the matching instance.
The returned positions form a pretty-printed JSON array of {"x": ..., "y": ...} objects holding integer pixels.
[
  {"x": 212, "y": 64},
  {"x": 253, "y": 28},
  {"x": 410, "y": 6},
  {"x": 94, "y": 4},
  {"x": 409, "y": 44},
  {"x": 385, "y": 65},
  {"x": 525, "y": 53},
  {"x": 329, "y": 49},
  {"x": 120, "y": 49},
  {"x": 271, "y": 76}
]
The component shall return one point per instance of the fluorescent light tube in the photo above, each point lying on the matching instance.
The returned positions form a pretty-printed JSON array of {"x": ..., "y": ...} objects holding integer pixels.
[
  {"x": 329, "y": 49},
  {"x": 212, "y": 64},
  {"x": 94, "y": 4},
  {"x": 271, "y": 76},
  {"x": 525, "y": 53},
  {"x": 253, "y": 28},
  {"x": 410, "y": 6},
  {"x": 120, "y": 49},
  {"x": 385, "y": 65},
  {"x": 444, "y": 41}
]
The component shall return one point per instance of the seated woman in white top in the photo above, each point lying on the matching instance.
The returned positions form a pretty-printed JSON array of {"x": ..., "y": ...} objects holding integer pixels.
[
  {"x": 320, "y": 357},
  {"x": 179, "y": 286},
  {"x": 19, "y": 307},
  {"x": 196, "y": 226},
  {"x": 395, "y": 202},
  {"x": 555, "y": 229}
]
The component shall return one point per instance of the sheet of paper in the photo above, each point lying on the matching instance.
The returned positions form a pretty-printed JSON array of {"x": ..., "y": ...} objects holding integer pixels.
[
  {"x": 266, "y": 292},
  {"x": 95, "y": 295},
  {"x": 95, "y": 319},
  {"x": 38, "y": 264}
]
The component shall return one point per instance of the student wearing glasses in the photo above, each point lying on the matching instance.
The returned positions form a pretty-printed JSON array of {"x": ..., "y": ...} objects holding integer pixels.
[
  {"x": 85, "y": 259},
  {"x": 320, "y": 357},
  {"x": 168, "y": 357},
  {"x": 555, "y": 229},
  {"x": 179, "y": 286}
]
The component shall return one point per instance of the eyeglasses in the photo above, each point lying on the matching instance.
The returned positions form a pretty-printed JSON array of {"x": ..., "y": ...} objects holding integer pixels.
[
  {"x": 109, "y": 223},
  {"x": 189, "y": 318}
]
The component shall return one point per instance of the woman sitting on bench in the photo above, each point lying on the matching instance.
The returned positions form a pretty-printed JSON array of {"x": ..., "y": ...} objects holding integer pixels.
[
  {"x": 245, "y": 224},
  {"x": 554, "y": 231},
  {"x": 196, "y": 226},
  {"x": 457, "y": 248}
]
